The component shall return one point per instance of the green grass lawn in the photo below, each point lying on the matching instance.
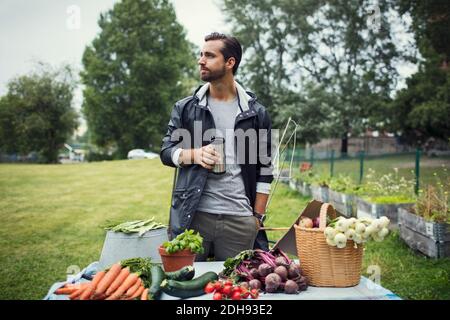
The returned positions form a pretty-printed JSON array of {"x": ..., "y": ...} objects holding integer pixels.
[{"x": 51, "y": 216}]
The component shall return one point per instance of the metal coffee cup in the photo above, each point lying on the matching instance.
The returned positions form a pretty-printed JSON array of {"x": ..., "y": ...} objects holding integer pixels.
[{"x": 218, "y": 144}]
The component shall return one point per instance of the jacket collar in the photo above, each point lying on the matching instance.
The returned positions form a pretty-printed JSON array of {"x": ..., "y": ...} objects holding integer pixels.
[{"x": 244, "y": 96}]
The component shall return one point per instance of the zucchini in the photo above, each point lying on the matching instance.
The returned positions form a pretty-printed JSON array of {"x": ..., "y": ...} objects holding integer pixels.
[
  {"x": 184, "y": 274},
  {"x": 188, "y": 289},
  {"x": 158, "y": 275}
]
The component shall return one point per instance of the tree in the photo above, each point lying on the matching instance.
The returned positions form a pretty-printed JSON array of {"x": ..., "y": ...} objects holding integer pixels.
[
  {"x": 133, "y": 73},
  {"x": 333, "y": 48},
  {"x": 421, "y": 111},
  {"x": 37, "y": 115}
]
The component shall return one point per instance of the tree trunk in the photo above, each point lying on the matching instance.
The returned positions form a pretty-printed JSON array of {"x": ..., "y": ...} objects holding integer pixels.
[{"x": 344, "y": 146}]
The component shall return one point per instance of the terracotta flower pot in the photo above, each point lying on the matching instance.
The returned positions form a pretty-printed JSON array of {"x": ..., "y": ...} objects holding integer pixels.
[{"x": 176, "y": 261}]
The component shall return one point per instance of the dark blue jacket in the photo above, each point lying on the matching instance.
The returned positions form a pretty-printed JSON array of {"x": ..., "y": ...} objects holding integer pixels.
[{"x": 192, "y": 178}]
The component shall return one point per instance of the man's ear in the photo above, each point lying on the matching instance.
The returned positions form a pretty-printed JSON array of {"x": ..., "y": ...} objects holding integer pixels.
[{"x": 230, "y": 63}]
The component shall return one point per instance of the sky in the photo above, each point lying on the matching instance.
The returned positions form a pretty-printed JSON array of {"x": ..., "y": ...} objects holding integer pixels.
[
  {"x": 47, "y": 30},
  {"x": 50, "y": 31}
]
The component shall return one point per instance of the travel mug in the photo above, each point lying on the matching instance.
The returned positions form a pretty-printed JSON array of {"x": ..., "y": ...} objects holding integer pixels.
[{"x": 218, "y": 144}]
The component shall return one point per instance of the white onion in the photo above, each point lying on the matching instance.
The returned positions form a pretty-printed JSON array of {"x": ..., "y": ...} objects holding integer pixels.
[
  {"x": 350, "y": 234},
  {"x": 384, "y": 221},
  {"x": 360, "y": 227},
  {"x": 383, "y": 232},
  {"x": 331, "y": 242},
  {"x": 369, "y": 231},
  {"x": 341, "y": 240},
  {"x": 330, "y": 232}
]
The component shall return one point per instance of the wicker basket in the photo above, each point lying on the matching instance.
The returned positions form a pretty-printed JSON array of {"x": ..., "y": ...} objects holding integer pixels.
[{"x": 324, "y": 265}]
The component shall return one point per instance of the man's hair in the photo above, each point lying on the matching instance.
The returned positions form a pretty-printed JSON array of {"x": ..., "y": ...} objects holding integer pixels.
[{"x": 231, "y": 47}]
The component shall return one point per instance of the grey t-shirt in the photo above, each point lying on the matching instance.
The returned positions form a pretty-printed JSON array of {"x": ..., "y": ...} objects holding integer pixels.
[{"x": 225, "y": 193}]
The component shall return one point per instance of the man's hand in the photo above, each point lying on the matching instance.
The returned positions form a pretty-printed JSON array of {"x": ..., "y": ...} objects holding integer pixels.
[{"x": 205, "y": 156}]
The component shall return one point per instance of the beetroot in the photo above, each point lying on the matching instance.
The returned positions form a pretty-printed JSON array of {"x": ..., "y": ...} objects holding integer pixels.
[
  {"x": 293, "y": 271},
  {"x": 254, "y": 273},
  {"x": 281, "y": 261},
  {"x": 291, "y": 287},
  {"x": 282, "y": 272},
  {"x": 264, "y": 269},
  {"x": 273, "y": 281},
  {"x": 255, "y": 284}
]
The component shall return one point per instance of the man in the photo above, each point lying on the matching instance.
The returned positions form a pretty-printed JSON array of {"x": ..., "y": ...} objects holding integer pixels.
[{"x": 227, "y": 209}]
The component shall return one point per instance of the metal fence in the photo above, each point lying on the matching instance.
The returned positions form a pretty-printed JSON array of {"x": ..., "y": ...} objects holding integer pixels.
[{"x": 415, "y": 165}]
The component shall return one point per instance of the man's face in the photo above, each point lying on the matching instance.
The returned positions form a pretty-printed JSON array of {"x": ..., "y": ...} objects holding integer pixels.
[{"x": 212, "y": 63}]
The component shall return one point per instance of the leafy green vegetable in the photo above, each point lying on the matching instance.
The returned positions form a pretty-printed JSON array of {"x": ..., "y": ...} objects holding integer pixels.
[
  {"x": 186, "y": 240},
  {"x": 141, "y": 226},
  {"x": 231, "y": 263},
  {"x": 142, "y": 266}
]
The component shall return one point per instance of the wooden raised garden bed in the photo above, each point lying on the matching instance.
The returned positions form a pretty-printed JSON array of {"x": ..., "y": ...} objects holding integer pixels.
[
  {"x": 376, "y": 210},
  {"x": 343, "y": 203},
  {"x": 319, "y": 193},
  {"x": 430, "y": 238}
]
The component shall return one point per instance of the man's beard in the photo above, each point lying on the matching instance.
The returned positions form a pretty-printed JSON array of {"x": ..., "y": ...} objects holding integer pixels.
[{"x": 213, "y": 75}]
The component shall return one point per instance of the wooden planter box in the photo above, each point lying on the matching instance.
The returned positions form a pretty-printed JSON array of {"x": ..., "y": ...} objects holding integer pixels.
[
  {"x": 343, "y": 203},
  {"x": 319, "y": 193},
  {"x": 376, "y": 210},
  {"x": 430, "y": 238},
  {"x": 293, "y": 184},
  {"x": 304, "y": 188}
]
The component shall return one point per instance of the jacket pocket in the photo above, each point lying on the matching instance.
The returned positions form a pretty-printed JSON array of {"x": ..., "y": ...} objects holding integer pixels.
[{"x": 179, "y": 196}]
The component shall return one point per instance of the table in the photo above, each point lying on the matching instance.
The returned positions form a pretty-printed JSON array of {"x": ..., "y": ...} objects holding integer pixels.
[{"x": 365, "y": 290}]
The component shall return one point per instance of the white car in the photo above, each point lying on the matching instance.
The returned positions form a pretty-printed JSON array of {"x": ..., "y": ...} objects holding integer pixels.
[{"x": 141, "y": 154}]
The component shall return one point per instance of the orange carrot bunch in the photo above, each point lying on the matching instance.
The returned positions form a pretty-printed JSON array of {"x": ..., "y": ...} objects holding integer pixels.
[{"x": 115, "y": 284}]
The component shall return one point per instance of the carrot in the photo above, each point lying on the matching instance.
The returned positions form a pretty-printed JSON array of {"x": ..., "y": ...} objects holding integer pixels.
[
  {"x": 129, "y": 281},
  {"x": 133, "y": 288},
  {"x": 78, "y": 293},
  {"x": 144, "y": 295},
  {"x": 108, "y": 279},
  {"x": 77, "y": 285},
  {"x": 80, "y": 288},
  {"x": 91, "y": 288},
  {"x": 100, "y": 296},
  {"x": 112, "y": 297},
  {"x": 118, "y": 281},
  {"x": 69, "y": 290},
  {"x": 137, "y": 294}
]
